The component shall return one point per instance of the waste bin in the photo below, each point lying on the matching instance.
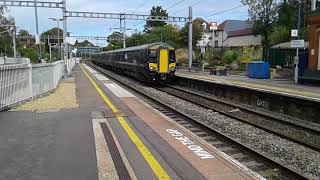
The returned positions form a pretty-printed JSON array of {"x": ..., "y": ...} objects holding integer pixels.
[{"x": 259, "y": 70}]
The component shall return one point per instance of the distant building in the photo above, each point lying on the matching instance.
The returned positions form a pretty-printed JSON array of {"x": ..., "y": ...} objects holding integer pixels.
[
  {"x": 207, "y": 33},
  {"x": 27, "y": 41},
  {"x": 88, "y": 50},
  {"x": 234, "y": 33},
  {"x": 314, "y": 36}
]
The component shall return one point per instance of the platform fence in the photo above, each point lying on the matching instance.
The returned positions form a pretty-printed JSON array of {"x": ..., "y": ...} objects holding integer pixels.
[
  {"x": 283, "y": 57},
  {"x": 7, "y": 61},
  {"x": 21, "y": 82}
]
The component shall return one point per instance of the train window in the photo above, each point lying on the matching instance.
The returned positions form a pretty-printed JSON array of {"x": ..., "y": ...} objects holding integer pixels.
[
  {"x": 153, "y": 54},
  {"x": 172, "y": 56}
]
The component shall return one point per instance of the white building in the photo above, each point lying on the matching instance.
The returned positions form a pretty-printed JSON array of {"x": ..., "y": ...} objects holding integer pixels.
[
  {"x": 205, "y": 40},
  {"x": 233, "y": 33}
]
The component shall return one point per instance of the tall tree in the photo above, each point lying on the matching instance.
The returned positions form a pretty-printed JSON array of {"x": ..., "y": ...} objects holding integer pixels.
[
  {"x": 85, "y": 43},
  {"x": 115, "y": 38},
  {"x": 263, "y": 13},
  {"x": 196, "y": 35},
  {"x": 156, "y": 11},
  {"x": 5, "y": 32},
  {"x": 23, "y": 33},
  {"x": 285, "y": 21},
  {"x": 54, "y": 32}
]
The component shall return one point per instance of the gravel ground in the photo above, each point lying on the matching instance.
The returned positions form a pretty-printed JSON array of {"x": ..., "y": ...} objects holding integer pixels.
[
  {"x": 63, "y": 97},
  {"x": 289, "y": 153}
]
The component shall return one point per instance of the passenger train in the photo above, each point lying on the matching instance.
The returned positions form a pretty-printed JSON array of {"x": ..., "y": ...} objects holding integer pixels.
[{"x": 151, "y": 63}]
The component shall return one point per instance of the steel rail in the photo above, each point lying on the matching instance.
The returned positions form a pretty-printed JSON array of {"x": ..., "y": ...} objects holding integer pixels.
[
  {"x": 199, "y": 100},
  {"x": 280, "y": 165}
]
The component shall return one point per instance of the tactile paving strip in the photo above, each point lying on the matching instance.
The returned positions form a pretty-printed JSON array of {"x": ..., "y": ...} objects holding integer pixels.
[{"x": 116, "y": 157}]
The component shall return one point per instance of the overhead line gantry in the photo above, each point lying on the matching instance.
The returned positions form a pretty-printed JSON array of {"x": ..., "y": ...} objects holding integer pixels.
[{"x": 121, "y": 16}]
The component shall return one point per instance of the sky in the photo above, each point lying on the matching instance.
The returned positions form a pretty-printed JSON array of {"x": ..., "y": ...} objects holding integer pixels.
[{"x": 25, "y": 18}]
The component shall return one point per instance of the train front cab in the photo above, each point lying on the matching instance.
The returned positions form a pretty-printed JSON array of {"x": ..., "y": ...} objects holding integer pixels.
[{"x": 162, "y": 64}]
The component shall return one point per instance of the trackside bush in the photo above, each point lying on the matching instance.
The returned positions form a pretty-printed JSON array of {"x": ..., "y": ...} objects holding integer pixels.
[{"x": 229, "y": 56}]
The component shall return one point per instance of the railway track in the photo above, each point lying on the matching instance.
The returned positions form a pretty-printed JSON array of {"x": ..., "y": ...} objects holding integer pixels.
[
  {"x": 254, "y": 160},
  {"x": 303, "y": 135}
]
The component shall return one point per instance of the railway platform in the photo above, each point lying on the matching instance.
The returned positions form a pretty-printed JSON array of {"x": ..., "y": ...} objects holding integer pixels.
[
  {"x": 282, "y": 87},
  {"x": 91, "y": 128}
]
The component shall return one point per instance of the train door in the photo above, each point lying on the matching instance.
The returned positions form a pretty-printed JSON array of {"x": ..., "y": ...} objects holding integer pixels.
[
  {"x": 319, "y": 50},
  {"x": 164, "y": 61}
]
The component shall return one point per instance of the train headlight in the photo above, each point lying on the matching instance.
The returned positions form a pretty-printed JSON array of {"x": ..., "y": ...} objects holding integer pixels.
[
  {"x": 172, "y": 67},
  {"x": 153, "y": 67}
]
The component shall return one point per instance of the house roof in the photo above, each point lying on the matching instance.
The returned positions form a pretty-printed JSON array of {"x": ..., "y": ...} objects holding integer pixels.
[
  {"x": 242, "y": 32},
  {"x": 234, "y": 25},
  {"x": 200, "y": 21}
]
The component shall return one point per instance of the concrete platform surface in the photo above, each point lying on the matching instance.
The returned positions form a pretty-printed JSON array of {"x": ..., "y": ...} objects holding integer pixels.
[
  {"x": 286, "y": 87},
  {"x": 107, "y": 133}
]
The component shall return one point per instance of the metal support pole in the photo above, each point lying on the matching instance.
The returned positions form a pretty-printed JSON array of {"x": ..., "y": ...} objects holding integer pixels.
[
  {"x": 50, "y": 51},
  {"x": 14, "y": 42},
  {"x": 299, "y": 17},
  {"x": 124, "y": 31},
  {"x": 50, "y": 54},
  {"x": 296, "y": 71},
  {"x": 190, "y": 38},
  {"x": 37, "y": 28},
  {"x": 64, "y": 11},
  {"x": 313, "y": 5},
  {"x": 59, "y": 49},
  {"x": 70, "y": 53}
]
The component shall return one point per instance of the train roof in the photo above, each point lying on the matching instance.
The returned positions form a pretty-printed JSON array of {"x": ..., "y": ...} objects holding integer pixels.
[{"x": 145, "y": 46}]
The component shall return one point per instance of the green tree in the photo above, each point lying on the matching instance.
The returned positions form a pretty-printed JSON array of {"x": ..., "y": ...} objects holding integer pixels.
[
  {"x": 138, "y": 38},
  {"x": 5, "y": 32},
  {"x": 115, "y": 38},
  {"x": 287, "y": 14},
  {"x": 280, "y": 34},
  {"x": 263, "y": 13},
  {"x": 30, "y": 53},
  {"x": 167, "y": 34},
  {"x": 156, "y": 11},
  {"x": 53, "y": 33},
  {"x": 24, "y": 33},
  {"x": 196, "y": 35},
  {"x": 287, "y": 20},
  {"x": 84, "y": 43}
]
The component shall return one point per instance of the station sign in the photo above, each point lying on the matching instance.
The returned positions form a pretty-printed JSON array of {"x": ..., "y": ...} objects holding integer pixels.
[
  {"x": 37, "y": 39},
  {"x": 294, "y": 33},
  {"x": 297, "y": 43},
  {"x": 213, "y": 26}
]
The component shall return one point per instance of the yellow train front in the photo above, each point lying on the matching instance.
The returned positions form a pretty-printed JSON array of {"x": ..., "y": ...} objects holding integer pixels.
[
  {"x": 162, "y": 63},
  {"x": 149, "y": 63}
]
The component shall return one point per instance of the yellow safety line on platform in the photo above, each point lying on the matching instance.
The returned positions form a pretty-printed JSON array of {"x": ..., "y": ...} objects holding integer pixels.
[{"x": 153, "y": 163}]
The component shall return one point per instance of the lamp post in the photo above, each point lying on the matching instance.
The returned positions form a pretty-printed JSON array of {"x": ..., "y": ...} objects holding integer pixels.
[
  {"x": 296, "y": 59},
  {"x": 204, "y": 26},
  {"x": 313, "y": 5},
  {"x": 69, "y": 46},
  {"x": 58, "y": 26}
]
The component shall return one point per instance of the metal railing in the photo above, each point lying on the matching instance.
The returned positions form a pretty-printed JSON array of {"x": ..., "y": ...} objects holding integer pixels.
[
  {"x": 4, "y": 60},
  {"x": 21, "y": 82}
]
